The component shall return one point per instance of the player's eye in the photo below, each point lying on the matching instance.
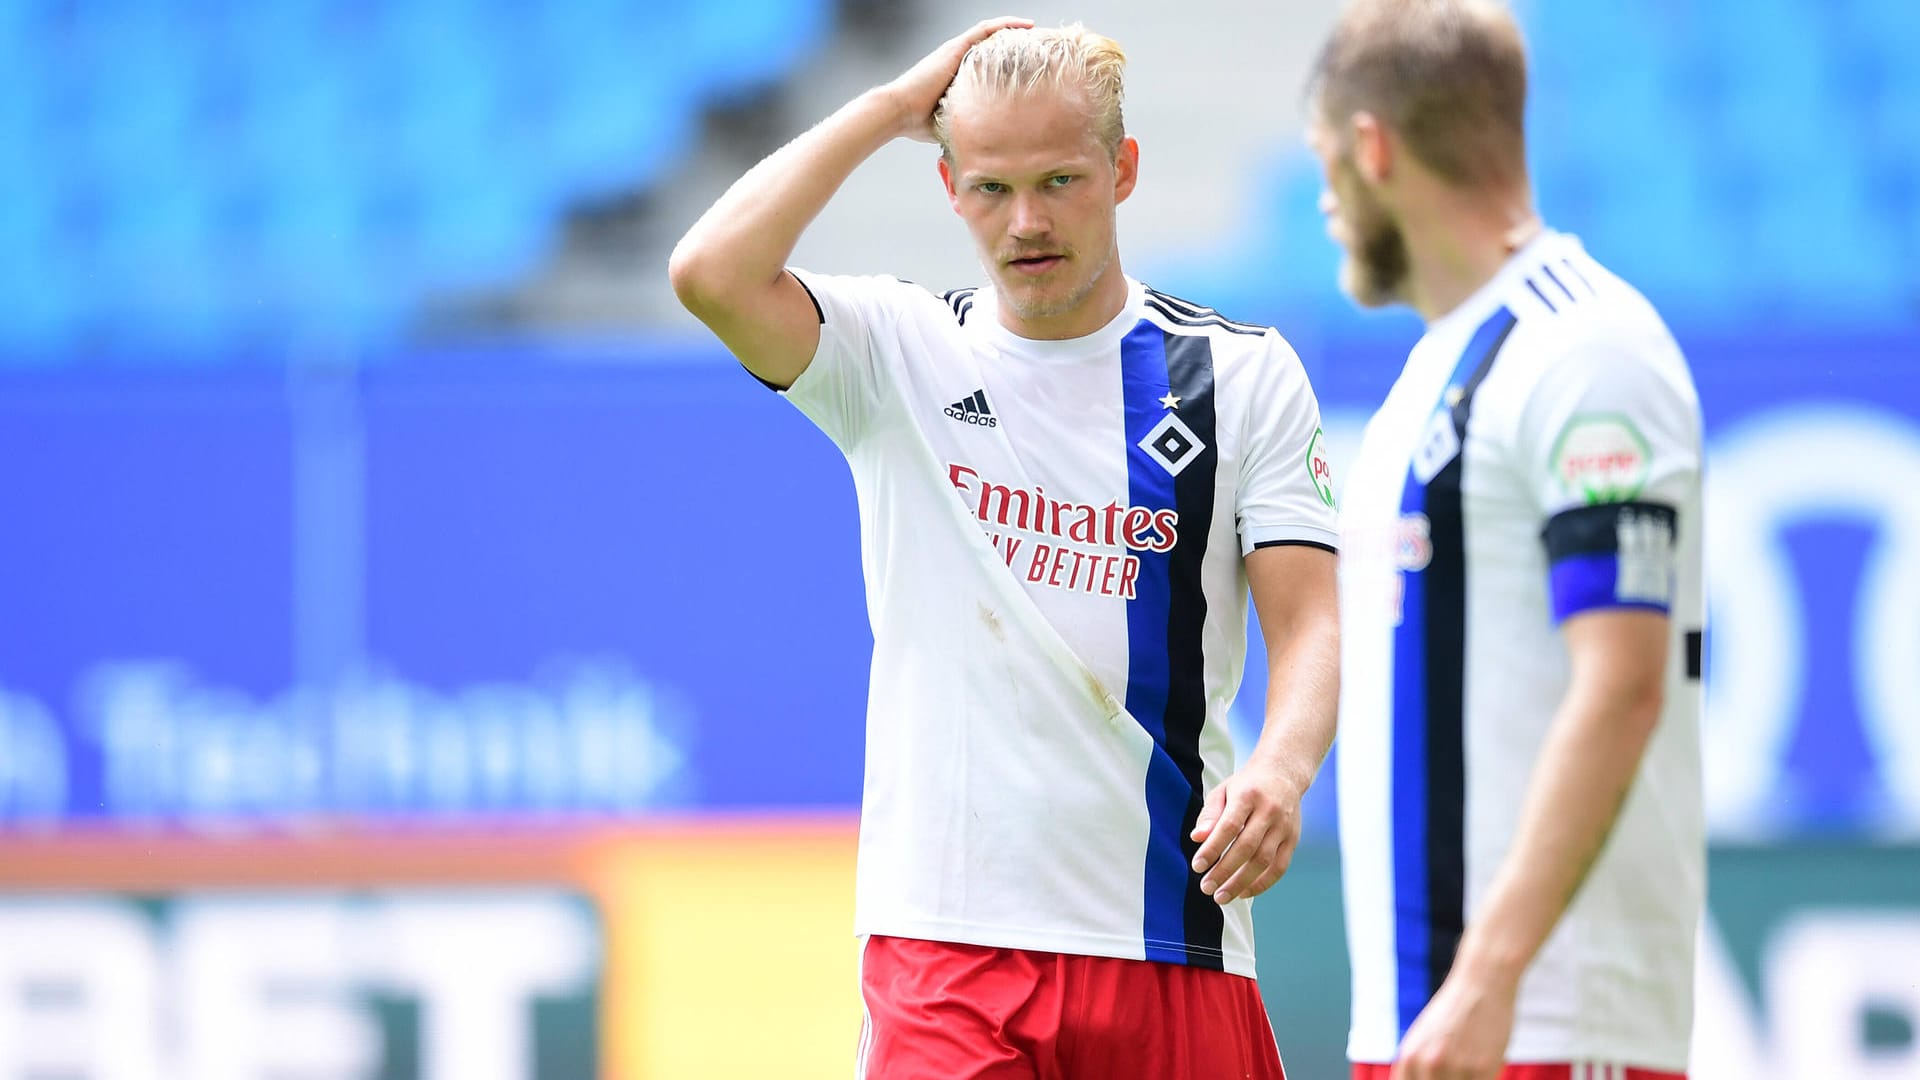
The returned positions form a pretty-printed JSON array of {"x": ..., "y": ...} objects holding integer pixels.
[
  {"x": 990, "y": 187},
  {"x": 1059, "y": 181}
]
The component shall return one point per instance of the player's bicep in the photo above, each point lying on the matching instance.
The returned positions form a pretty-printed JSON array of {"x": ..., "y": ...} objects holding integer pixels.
[
  {"x": 774, "y": 333},
  {"x": 1295, "y": 590},
  {"x": 1620, "y": 656}
]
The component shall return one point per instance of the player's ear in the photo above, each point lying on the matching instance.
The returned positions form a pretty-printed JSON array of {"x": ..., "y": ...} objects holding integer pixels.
[
  {"x": 946, "y": 177},
  {"x": 1126, "y": 169},
  {"x": 1372, "y": 154}
]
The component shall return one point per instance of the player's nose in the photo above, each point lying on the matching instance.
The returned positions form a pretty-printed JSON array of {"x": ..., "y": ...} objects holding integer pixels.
[{"x": 1030, "y": 220}]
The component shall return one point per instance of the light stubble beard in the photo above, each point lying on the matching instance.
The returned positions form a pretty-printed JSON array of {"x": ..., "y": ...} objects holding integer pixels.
[{"x": 1033, "y": 309}]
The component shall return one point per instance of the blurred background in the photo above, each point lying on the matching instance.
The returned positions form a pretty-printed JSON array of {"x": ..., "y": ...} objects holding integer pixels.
[{"x": 425, "y": 654}]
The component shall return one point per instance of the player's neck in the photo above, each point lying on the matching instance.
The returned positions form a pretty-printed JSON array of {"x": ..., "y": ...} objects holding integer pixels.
[{"x": 1463, "y": 244}]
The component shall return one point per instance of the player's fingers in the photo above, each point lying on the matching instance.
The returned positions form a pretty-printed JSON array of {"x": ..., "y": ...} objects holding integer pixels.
[
  {"x": 1235, "y": 859},
  {"x": 1209, "y": 813},
  {"x": 1221, "y": 835},
  {"x": 986, "y": 28},
  {"x": 1261, "y": 872}
]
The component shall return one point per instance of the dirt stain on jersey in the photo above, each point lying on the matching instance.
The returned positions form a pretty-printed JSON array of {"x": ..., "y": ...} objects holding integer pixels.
[{"x": 992, "y": 619}]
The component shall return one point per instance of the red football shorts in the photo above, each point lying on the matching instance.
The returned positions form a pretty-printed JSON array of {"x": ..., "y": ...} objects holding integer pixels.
[
  {"x": 940, "y": 1011},
  {"x": 1586, "y": 1070}
]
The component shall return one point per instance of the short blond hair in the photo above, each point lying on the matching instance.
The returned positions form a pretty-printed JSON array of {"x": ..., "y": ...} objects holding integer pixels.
[
  {"x": 1450, "y": 76},
  {"x": 1017, "y": 62}
]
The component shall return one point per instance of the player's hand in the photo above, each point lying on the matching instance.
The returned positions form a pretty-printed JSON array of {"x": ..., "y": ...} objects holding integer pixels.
[
  {"x": 918, "y": 91},
  {"x": 1462, "y": 1033},
  {"x": 1247, "y": 831}
]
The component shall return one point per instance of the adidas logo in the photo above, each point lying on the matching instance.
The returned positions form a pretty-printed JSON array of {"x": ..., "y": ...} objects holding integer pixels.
[{"x": 972, "y": 409}]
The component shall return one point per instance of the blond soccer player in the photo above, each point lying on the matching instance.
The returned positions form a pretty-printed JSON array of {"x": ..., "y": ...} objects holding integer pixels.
[{"x": 1068, "y": 482}]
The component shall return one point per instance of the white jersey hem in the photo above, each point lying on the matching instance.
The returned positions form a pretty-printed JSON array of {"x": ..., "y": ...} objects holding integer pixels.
[{"x": 1234, "y": 961}]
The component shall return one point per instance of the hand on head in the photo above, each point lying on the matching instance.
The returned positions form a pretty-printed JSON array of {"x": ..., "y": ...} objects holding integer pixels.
[{"x": 919, "y": 89}]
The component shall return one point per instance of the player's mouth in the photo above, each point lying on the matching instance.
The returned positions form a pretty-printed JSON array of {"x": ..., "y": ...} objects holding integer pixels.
[{"x": 1036, "y": 265}]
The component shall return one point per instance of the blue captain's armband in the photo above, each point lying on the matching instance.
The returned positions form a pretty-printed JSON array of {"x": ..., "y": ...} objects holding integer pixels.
[{"x": 1614, "y": 555}]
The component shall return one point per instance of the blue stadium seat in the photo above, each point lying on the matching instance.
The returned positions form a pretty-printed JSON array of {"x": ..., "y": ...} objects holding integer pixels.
[{"x": 233, "y": 167}]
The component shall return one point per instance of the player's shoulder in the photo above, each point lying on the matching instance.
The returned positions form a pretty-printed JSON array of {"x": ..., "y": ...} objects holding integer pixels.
[
  {"x": 884, "y": 294},
  {"x": 1180, "y": 316},
  {"x": 959, "y": 302},
  {"x": 1574, "y": 320},
  {"x": 1232, "y": 342},
  {"x": 951, "y": 309}
]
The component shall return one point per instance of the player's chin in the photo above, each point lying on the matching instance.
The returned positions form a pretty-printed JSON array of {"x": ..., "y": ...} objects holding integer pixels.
[{"x": 1035, "y": 299}]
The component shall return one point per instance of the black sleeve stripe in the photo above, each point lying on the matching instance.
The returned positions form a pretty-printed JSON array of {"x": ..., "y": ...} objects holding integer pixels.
[
  {"x": 1210, "y": 320},
  {"x": 1696, "y": 649},
  {"x": 1174, "y": 306},
  {"x": 816, "y": 303},
  {"x": 768, "y": 383},
  {"x": 1328, "y": 548},
  {"x": 1595, "y": 530}
]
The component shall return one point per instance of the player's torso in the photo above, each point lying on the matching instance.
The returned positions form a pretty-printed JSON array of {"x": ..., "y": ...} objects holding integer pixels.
[
  {"x": 1453, "y": 672},
  {"x": 1094, "y": 480},
  {"x": 1087, "y": 466}
]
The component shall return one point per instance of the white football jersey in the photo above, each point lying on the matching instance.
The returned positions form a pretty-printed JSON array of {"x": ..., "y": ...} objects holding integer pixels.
[
  {"x": 1052, "y": 535},
  {"x": 1538, "y": 457}
]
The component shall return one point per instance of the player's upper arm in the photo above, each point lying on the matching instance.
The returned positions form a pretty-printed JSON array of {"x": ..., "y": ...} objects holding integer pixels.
[
  {"x": 1620, "y": 655},
  {"x": 1285, "y": 484},
  {"x": 773, "y": 328},
  {"x": 1610, "y": 441},
  {"x": 1295, "y": 591}
]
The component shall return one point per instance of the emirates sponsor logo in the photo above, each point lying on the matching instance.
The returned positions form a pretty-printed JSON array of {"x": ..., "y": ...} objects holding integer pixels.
[{"x": 1051, "y": 552}]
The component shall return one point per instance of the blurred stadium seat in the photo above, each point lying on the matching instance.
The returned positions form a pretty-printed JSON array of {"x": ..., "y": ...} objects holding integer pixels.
[
  {"x": 235, "y": 173},
  {"x": 1740, "y": 162},
  {"x": 239, "y": 174}
]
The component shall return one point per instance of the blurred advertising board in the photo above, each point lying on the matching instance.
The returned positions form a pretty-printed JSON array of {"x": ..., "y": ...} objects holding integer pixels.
[
  {"x": 722, "y": 950},
  {"x": 697, "y": 950}
]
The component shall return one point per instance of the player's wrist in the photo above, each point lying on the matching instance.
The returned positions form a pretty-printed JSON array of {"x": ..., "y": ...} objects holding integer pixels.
[
  {"x": 1490, "y": 959},
  {"x": 1286, "y": 770},
  {"x": 892, "y": 109}
]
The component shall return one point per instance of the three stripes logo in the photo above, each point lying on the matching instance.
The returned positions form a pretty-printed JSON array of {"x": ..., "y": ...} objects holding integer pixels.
[{"x": 973, "y": 409}]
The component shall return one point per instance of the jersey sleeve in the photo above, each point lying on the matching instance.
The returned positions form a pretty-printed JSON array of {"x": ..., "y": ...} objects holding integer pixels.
[
  {"x": 1610, "y": 442},
  {"x": 851, "y": 374},
  {"x": 1285, "y": 491}
]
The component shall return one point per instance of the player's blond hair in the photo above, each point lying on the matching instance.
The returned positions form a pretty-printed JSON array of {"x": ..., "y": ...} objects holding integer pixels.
[
  {"x": 1448, "y": 76},
  {"x": 1017, "y": 62}
]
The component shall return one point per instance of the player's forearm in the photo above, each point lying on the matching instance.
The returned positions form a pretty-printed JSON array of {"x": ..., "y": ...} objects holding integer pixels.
[
  {"x": 1585, "y": 770},
  {"x": 743, "y": 242},
  {"x": 1303, "y": 697}
]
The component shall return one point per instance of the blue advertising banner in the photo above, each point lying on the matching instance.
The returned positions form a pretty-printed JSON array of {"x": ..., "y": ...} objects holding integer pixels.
[{"x": 501, "y": 583}]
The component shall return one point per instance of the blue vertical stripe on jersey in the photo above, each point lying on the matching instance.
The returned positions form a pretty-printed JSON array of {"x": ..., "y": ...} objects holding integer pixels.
[
  {"x": 1429, "y": 666},
  {"x": 1166, "y": 690}
]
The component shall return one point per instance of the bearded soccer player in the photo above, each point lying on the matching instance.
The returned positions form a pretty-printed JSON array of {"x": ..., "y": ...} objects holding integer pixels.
[
  {"x": 1067, "y": 483},
  {"x": 1520, "y": 808}
]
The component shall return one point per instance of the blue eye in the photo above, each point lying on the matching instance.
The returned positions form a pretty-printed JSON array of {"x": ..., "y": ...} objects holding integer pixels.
[
  {"x": 991, "y": 187},
  {"x": 1059, "y": 181}
]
